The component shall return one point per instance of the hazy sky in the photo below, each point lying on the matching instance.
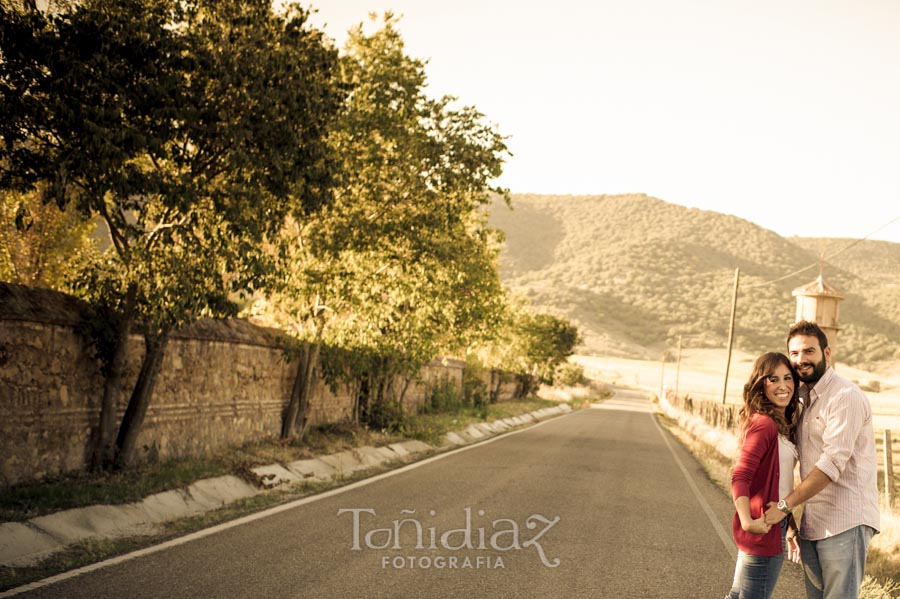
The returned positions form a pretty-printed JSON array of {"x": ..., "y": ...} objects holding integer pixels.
[{"x": 786, "y": 113}]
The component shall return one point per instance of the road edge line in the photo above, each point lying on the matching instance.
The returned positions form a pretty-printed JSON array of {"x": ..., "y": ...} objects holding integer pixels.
[
  {"x": 63, "y": 576},
  {"x": 720, "y": 530}
]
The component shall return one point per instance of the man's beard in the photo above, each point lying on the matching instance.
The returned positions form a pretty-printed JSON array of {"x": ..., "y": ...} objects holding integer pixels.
[{"x": 818, "y": 370}]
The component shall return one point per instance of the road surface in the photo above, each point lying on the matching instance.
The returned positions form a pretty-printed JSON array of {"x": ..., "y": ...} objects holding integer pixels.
[{"x": 601, "y": 503}]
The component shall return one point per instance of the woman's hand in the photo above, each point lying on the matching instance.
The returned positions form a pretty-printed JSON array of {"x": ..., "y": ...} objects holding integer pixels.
[
  {"x": 758, "y": 526},
  {"x": 773, "y": 514}
]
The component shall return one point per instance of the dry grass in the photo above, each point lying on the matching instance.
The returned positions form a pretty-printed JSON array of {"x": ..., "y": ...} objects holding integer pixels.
[
  {"x": 884, "y": 553},
  {"x": 883, "y": 563}
]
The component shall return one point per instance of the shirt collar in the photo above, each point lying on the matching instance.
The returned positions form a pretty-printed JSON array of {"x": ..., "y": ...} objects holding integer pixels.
[{"x": 813, "y": 393}]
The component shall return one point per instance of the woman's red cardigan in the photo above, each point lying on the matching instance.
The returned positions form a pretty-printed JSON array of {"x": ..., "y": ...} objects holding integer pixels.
[{"x": 756, "y": 476}]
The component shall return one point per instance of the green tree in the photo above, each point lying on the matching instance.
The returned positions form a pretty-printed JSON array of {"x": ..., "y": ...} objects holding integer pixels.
[
  {"x": 402, "y": 266},
  {"x": 531, "y": 345},
  {"x": 547, "y": 342},
  {"x": 192, "y": 129},
  {"x": 415, "y": 172}
]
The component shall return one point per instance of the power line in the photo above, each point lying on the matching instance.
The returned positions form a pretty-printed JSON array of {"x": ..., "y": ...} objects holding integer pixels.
[
  {"x": 737, "y": 276},
  {"x": 824, "y": 257}
]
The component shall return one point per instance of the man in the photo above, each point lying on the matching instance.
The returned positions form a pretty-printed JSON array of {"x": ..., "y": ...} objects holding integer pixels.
[{"x": 838, "y": 468}]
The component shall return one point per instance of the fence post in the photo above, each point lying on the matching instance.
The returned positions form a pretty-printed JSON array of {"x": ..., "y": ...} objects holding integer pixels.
[
  {"x": 678, "y": 366},
  {"x": 888, "y": 470},
  {"x": 662, "y": 378}
]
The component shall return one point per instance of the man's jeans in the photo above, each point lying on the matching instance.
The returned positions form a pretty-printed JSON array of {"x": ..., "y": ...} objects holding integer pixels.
[
  {"x": 755, "y": 576},
  {"x": 834, "y": 567}
]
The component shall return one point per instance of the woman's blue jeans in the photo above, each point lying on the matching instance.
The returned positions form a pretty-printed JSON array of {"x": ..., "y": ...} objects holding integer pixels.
[{"x": 755, "y": 576}]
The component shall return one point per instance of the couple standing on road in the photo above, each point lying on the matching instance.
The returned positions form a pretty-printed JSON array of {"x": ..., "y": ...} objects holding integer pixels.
[{"x": 827, "y": 425}]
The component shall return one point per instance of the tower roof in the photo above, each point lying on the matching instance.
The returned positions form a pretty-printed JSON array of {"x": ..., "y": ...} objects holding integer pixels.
[{"x": 818, "y": 288}]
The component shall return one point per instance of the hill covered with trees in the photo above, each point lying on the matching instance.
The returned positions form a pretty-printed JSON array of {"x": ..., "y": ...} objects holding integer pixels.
[{"x": 634, "y": 272}]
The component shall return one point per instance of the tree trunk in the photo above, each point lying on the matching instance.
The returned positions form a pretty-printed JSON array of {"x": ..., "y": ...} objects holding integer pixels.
[
  {"x": 290, "y": 412},
  {"x": 308, "y": 386},
  {"x": 407, "y": 381},
  {"x": 381, "y": 389},
  {"x": 296, "y": 416},
  {"x": 362, "y": 398},
  {"x": 373, "y": 397},
  {"x": 524, "y": 385},
  {"x": 104, "y": 450},
  {"x": 495, "y": 388},
  {"x": 136, "y": 411}
]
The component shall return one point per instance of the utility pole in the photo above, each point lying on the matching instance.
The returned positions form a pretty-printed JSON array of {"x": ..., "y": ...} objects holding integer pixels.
[
  {"x": 888, "y": 470},
  {"x": 662, "y": 377},
  {"x": 737, "y": 277},
  {"x": 678, "y": 367}
]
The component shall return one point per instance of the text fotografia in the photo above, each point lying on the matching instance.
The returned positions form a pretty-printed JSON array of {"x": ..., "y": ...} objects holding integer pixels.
[
  {"x": 502, "y": 534},
  {"x": 443, "y": 562}
]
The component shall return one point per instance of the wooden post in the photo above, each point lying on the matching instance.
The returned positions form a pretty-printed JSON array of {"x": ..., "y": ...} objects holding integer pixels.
[
  {"x": 678, "y": 367},
  {"x": 662, "y": 377},
  {"x": 888, "y": 470},
  {"x": 737, "y": 276}
]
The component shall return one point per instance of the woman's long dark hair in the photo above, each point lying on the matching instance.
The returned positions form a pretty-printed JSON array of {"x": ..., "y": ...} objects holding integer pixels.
[{"x": 756, "y": 402}]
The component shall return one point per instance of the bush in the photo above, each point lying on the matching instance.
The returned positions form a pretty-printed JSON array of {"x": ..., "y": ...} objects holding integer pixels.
[
  {"x": 443, "y": 398},
  {"x": 386, "y": 415},
  {"x": 475, "y": 390},
  {"x": 526, "y": 385},
  {"x": 570, "y": 374}
]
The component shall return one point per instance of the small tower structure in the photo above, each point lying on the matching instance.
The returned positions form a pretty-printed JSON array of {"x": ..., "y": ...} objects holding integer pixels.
[{"x": 819, "y": 302}]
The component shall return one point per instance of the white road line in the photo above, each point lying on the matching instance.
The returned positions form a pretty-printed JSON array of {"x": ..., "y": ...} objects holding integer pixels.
[
  {"x": 720, "y": 530},
  {"x": 259, "y": 515}
]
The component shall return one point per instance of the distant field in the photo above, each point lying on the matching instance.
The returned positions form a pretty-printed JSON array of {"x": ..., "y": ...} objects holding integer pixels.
[{"x": 701, "y": 376}]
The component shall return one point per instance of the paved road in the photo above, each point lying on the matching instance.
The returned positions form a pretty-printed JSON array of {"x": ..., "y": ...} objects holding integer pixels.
[{"x": 600, "y": 503}]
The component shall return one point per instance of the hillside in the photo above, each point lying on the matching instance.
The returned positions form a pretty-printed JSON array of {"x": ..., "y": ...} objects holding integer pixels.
[{"x": 634, "y": 272}]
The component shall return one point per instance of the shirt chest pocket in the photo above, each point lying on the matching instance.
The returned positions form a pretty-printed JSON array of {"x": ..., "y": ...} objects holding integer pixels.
[{"x": 814, "y": 427}]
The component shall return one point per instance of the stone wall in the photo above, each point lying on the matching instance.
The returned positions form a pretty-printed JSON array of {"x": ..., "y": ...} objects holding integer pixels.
[{"x": 222, "y": 384}]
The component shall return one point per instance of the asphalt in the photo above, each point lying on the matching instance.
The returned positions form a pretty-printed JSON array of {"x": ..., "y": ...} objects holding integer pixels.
[
  {"x": 28, "y": 543},
  {"x": 601, "y": 502}
]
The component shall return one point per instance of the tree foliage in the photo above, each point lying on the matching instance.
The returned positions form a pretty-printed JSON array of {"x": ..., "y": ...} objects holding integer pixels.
[
  {"x": 414, "y": 172},
  {"x": 224, "y": 149},
  {"x": 530, "y": 344},
  {"x": 40, "y": 245},
  {"x": 402, "y": 265},
  {"x": 191, "y": 129}
]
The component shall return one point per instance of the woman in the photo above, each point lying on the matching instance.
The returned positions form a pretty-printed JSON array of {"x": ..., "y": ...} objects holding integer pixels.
[{"x": 764, "y": 472}]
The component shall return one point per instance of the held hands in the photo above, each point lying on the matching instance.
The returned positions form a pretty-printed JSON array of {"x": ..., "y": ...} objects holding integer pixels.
[
  {"x": 773, "y": 515},
  {"x": 758, "y": 526}
]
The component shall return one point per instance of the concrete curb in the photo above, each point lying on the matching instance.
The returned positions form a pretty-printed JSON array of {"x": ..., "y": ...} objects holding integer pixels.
[{"x": 28, "y": 543}]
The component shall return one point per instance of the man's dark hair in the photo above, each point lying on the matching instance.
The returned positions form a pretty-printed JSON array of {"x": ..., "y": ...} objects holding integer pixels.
[{"x": 808, "y": 328}]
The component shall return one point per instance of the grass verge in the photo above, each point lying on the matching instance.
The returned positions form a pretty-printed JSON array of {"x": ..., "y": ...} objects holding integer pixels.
[{"x": 883, "y": 561}]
